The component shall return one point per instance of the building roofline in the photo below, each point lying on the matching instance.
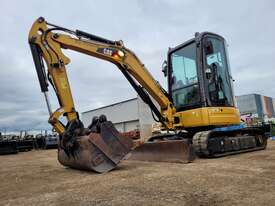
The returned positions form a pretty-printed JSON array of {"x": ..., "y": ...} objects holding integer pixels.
[
  {"x": 250, "y": 94},
  {"x": 110, "y": 105}
]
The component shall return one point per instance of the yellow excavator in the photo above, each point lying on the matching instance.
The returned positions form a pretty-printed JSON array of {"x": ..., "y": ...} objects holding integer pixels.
[{"x": 198, "y": 113}]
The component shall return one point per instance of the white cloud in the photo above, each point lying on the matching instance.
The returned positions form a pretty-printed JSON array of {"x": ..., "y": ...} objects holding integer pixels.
[{"x": 148, "y": 28}]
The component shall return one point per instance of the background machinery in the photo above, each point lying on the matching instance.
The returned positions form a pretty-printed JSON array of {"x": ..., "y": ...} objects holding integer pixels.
[
  {"x": 8, "y": 144},
  {"x": 12, "y": 144},
  {"x": 46, "y": 140},
  {"x": 198, "y": 111}
]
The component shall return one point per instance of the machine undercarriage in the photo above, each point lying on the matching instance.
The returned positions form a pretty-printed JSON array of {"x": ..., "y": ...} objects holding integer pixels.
[{"x": 222, "y": 143}]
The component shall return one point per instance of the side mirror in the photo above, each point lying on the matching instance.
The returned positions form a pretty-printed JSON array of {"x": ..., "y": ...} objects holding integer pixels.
[
  {"x": 208, "y": 47},
  {"x": 165, "y": 68}
]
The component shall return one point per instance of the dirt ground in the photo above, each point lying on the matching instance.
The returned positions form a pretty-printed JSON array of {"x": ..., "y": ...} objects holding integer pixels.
[{"x": 36, "y": 178}]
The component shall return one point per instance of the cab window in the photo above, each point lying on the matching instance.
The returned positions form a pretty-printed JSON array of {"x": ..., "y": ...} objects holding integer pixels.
[{"x": 184, "y": 78}]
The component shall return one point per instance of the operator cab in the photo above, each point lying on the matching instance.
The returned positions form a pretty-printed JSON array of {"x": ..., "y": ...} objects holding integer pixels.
[{"x": 199, "y": 74}]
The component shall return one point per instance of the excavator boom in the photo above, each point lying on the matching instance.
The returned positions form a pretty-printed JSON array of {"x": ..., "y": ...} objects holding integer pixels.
[{"x": 99, "y": 147}]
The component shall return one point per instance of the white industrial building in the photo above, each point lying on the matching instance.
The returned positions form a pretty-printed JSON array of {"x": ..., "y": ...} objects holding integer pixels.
[
  {"x": 127, "y": 115},
  {"x": 134, "y": 114}
]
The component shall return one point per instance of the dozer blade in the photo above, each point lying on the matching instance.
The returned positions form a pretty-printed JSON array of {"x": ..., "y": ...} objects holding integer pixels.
[
  {"x": 98, "y": 152},
  {"x": 178, "y": 151}
]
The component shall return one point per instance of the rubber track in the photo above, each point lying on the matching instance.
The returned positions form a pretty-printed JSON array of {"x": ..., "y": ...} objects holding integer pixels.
[{"x": 200, "y": 143}]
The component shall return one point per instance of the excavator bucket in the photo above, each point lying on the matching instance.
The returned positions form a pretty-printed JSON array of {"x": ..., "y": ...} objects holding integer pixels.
[
  {"x": 99, "y": 152},
  {"x": 177, "y": 151}
]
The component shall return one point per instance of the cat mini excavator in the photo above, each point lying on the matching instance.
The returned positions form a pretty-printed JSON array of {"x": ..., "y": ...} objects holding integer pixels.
[{"x": 198, "y": 113}]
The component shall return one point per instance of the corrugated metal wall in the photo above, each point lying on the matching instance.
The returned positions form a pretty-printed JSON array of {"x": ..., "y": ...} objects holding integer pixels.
[
  {"x": 247, "y": 104},
  {"x": 257, "y": 105},
  {"x": 264, "y": 106},
  {"x": 127, "y": 115},
  {"x": 267, "y": 105},
  {"x": 270, "y": 107},
  {"x": 124, "y": 115}
]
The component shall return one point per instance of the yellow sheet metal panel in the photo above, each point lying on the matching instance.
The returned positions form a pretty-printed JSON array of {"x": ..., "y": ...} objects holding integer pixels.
[
  {"x": 193, "y": 118},
  {"x": 209, "y": 116},
  {"x": 223, "y": 116}
]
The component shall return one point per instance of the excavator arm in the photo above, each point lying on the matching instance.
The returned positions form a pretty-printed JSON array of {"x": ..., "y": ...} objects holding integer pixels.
[
  {"x": 100, "y": 147},
  {"x": 46, "y": 44}
]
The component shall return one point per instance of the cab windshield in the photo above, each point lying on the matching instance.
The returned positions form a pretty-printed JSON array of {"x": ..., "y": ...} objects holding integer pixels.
[
  {"x": 218, "y": 77},
  {"x": 184, "y": 78}
]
